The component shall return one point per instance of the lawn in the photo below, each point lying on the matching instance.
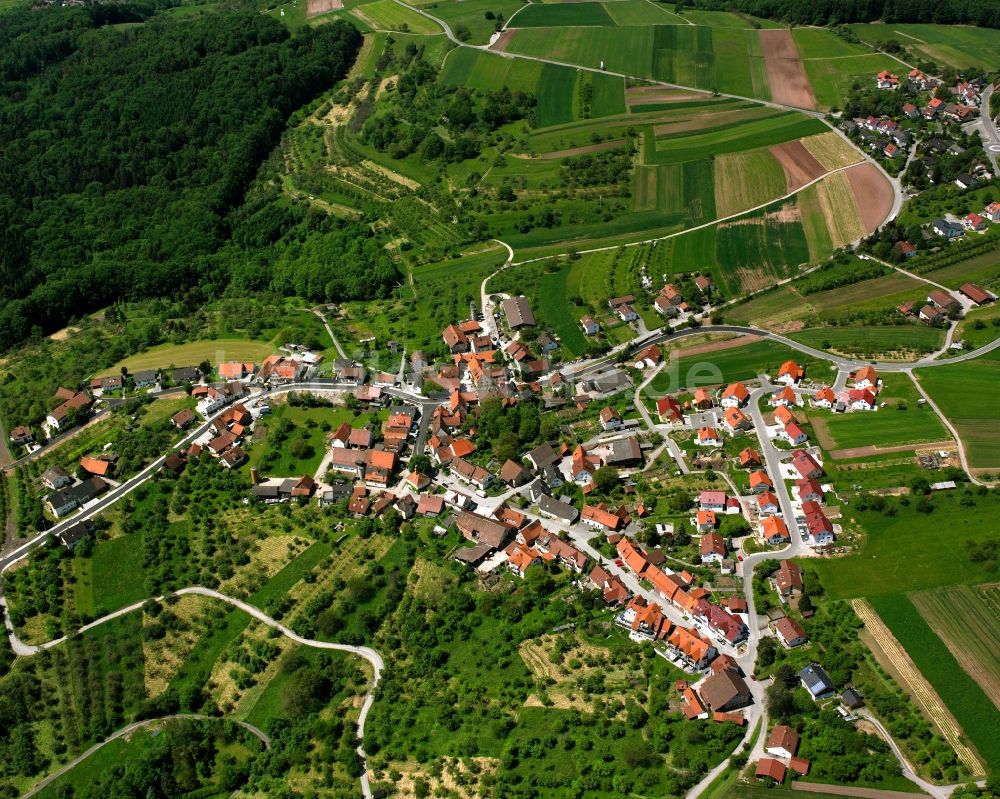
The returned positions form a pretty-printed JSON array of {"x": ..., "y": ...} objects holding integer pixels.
[
  {"x": 554, "y": 15},
  {"x": 728, "y": 365},
  {"x": 972, "y": 709},
  {"x": 118, "y": 577},
  {"x": 640, "y": 12},
  {"x": 823, "y": 43},
  {"x": 914, "y": 551},
  {"x": 964, "y": 392},
  {"x": 609, "y": 94},
  {"x": 283, "y": 454},
  {"x": 902, "y": 421},
  {"x": 751, "y": 134},
  {"x": 192, "y": 353}
]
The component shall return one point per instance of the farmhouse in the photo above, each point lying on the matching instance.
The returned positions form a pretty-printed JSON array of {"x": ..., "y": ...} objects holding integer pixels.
[
  {"x": 725, "y": 690},
  {"x": 74, "y": 402},
  {"x": 518, "y": 313},
  {"x": 610, "y": 419},
  {"x": 555, "y": 509},
  {"x": 942, "y": 299},
  {"x": 976, "y": 294},
  {"x": 66, "y": 500},
  {"x": 600, "y": 517},
  {"x": 769, "y": 769}
]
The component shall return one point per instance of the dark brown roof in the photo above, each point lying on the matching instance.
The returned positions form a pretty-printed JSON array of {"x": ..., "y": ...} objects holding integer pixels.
[{"x": 723, "y": 689}]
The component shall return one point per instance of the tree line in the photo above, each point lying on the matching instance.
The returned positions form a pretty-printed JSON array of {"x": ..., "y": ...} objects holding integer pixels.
[{"x": 832, "y": 12}]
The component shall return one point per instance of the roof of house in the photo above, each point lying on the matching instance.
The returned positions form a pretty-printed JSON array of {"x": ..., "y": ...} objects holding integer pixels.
[
  {"x": 708, "y": 434},
  {"x": 791, "y": 369},
  {"x": 749, "y": 455},
  {"x": 789, "y": 630},
  {"x": 669, "y": 407},
  {"x": 773, "y": 526},
  {"x": 789, "y": 575},
  {"x": 722, "y": 688},
  {"x": 737, "y": 391},
  {"x": 975, "y": 293},
  {"x": 96, "y": 466},
  {"x": 771, "y": 768},
  {"x": 712, "y": 543},
  {"x": 483, "y": 529}
]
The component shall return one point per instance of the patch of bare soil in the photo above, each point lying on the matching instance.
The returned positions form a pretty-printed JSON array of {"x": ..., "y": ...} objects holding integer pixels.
[
  {"x": 641, "y": 95},
  {"x": 872, "y": 193},
  {"x": 503, "y": 40},
  {"x": 785, "y": 73},
  {"x": 789, "y": 212},
  {"x": 800, "y": 166},
  {"x": 317, "y": 7},
  {"x": 714, "y": 346}
]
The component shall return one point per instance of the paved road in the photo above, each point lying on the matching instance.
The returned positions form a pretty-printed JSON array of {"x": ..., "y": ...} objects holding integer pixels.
[
  {"x": 329, "y": 332},
  {"x": 991, "y": 136},
  {"x": 369, "y": 654}
]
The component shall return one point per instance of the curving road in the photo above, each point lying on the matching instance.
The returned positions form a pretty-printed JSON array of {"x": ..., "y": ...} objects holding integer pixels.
[
  {"x": 369, "y": 654},
  {"x": 128, "y": 730}
]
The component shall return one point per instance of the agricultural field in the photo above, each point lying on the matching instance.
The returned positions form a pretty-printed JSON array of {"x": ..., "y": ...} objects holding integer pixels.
[
  {"x": 832, "y": 150},
  {"x": 831, "y": 79},
  {"x": 555, "y": 91},
  {"x": 486, "y": 71},
  {"x": 471, "y": 15},
  {"x": 957, "y": 46},
  {"x": 386, "y": 15},
  {"x": 886, "y": 343},
  {"x": 814, "y": 43},
  {"x": 967, "y": 620},
  {"x": 640, "y": 12},
  {"x": 775, "y": 129},
  {"x": 555, "y": 15},
  {"x": 975, "y": 714},
  {"x": 745, "y": 180},
  {"x": 963, "y": 393},
  {"x": 192, "y": 353}
]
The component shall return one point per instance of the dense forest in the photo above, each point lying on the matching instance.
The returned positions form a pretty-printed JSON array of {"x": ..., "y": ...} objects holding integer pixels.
[
  {"x": 832, "y": 12},
  {"x": 127, "y": 144}
]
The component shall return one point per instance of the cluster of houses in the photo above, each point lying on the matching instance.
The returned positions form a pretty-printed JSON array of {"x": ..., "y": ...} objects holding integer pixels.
[
  {"x": 67, "y": 493},
  {"x": 227, "y": 433},
  {"x": 951, "y": 229},
  {"x": 941, "y": 304},
  {"x": 957, "y": 103}
]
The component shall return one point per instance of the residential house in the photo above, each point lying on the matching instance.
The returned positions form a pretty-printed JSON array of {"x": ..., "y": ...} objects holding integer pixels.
[
  {"x": 610, "y": 419},
  {"x": 514, "y": 474},
  {"x": 626, "y": 313},
  {"x": 791, "y": 634},
  {"x": 786, "y": 397},
  {"x": 704, "y": 284},
  {"x": 886, "y": 80},
  {"x": 774, "y": 531},
  {"x": 907, "y": 249},
  {"x": 600, "y": 517},
  {"x": 808, "y": 490},
  {"x": 712, "y": 547},
  {"x": 591, "y": 327},
  {"x": 235, "y": 370},
  {"x": 861, "y": 399},
  {"x": 709, "y": 437},
  {"x": 632, "y": 556},
  {"x": 66, "y": 500},
  {"x": 468, "y": 472},
  {"x": 649, "y": 357},
  {"x": 736, "y": 395},
  {"x": 931, "y": 314},
  {"x": 736, "y": 421},
  {"x": 782, "y": 742},
  {"x": 805, "y": 464},
  {"x": 55, "y": 477},
  {"x": 669, "y": 410},
  {"x": 725, "y": 690},
  {"x": 966, "y": 182},
  {"x": 556, "y": 509},
  {"x": 790, "y": 373},
  {"x": 102, "y": 467},
  {"x": 75, "y": 403},
  {"x": 783, "y": 416},
  {"x": 183, "y": 418},
  {"x": 949, "y": 230},
  {"x": 455, "y": 340},
  {"x": 21, "y": 435},
  {"x": 767, "y": 503},
  {"x": 793, "y": 434},
  {"x": 702, "y": 399},
  {"x": 974, "y": 222},
  {"x": 617, "y": 302},
  {"x": 520, "y": 558},
  {"x": 911, "y": 111},
  {"x": 712, "y": 500},
  {"x": 541, "y": 456},
  {"x": 696, "y": 652},
  {"x": 705, "y": 521},
  {"x": 865, "y": 377},
  {"x": 749, "y": 458},
  {"x": 992, "y": 212},
  {"x": 788, "y": 579},
  {"x": 816, "y": 681},
  {"x": 760, "y": 482}
]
